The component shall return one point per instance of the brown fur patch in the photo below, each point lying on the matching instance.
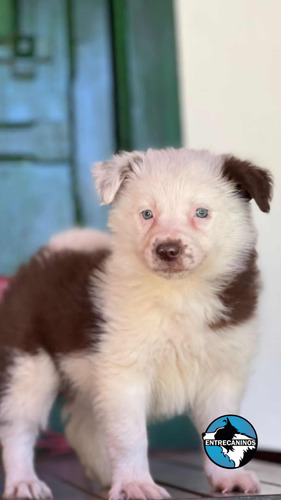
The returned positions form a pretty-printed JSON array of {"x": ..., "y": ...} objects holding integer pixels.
[
  {"x": 250, "y": 181},
  {"x": 47, "y": 304},
  {"x": 6, "y": 359},
  {"x": 240, "y": 297}
]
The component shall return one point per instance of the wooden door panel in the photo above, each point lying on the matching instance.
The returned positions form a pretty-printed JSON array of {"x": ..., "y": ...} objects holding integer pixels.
[
  {"x": 36, "y": 188},
  {"x": 40, "y": 94},
  {"x": 41, "y": 140}
]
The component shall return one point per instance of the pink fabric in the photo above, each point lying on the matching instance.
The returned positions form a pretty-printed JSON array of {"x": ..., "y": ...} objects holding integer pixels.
[{"x": 55, "y": 442}]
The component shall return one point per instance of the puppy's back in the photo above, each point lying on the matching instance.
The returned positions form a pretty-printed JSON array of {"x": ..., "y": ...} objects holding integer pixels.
[{"x": 48, "y": 306}]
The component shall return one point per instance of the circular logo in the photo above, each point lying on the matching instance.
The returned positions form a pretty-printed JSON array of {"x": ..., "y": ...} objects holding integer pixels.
[{"x": 230, "y": 441}]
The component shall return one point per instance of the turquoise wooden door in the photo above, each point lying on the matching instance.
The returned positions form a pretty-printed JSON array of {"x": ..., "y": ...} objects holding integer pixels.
[
  {"x": 56, "y": 117},
  {"x": 35, "y": 177}
]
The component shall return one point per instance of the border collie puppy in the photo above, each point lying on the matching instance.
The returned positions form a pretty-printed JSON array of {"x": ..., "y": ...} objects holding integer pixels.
[{"x": 155, "y": 320}]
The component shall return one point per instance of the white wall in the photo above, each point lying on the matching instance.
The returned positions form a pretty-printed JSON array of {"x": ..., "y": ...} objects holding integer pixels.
[{"x": 229, "y": 55}]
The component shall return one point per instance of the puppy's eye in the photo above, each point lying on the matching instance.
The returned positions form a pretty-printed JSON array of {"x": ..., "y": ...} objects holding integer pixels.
[
  {"x": 201, "y": 213},
  {"x": 147, "y": 214}
]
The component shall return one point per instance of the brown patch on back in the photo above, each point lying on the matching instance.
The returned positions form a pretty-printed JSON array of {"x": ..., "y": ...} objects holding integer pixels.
[
  {"x": 240, "y": 297},
  {"x": 250, "y": 181},
  {"x": 48, "y": 306}
]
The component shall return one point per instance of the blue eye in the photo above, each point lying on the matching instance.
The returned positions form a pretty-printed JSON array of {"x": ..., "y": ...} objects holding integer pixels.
[
  {"x": 147, "y": 214},
  {"x": 201, "y": 213}
]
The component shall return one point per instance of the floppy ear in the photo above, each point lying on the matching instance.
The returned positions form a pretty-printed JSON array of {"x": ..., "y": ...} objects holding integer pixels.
[
  {"x": 249, "y": 180},
  {"x": 110, "y": 175}
]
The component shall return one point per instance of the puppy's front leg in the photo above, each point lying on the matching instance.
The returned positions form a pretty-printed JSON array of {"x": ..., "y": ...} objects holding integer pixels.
[
  {"x": 123, "y": 413},
  {"x": 222, "y": 396}
]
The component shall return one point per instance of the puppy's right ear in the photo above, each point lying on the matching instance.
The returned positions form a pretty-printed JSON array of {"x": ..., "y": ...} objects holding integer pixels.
[{"x": 110, "y": 175}]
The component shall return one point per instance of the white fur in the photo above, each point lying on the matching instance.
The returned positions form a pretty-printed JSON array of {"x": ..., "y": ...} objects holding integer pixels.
[
  {"x": 29, "y": 395},
  {"x": 158, "y": 357},
  {"x": 80, "y": 239},
  {"x": 110, "y": 175},
  {"x": 173, "y": 184},
  {"x": 84, "y": 434},
  {"x": 227, "y": 480},
  {"x": 153, "y": 379}
]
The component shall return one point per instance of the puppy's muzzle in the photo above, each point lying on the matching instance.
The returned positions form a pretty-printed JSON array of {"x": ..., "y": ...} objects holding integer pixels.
[{"x": 168, "y": 251}]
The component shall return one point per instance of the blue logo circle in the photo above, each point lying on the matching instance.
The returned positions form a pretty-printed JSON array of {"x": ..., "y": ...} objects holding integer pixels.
[{"x": 230, "y": 441}]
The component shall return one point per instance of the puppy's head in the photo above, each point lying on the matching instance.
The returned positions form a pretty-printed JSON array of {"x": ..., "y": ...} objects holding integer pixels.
[{"x": 181, "y": 210}]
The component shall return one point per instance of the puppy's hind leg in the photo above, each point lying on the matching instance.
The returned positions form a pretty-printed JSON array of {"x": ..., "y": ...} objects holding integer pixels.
[
  {"x": 85, "y": 435},
  {"x": 27, "y": 398}
]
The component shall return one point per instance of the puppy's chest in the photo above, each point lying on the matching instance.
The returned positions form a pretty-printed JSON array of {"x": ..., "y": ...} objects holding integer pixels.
[
  {"x": 178, "y": 355},
  {"x": 181, "y": 321},
  {"x": 163, "y": 327},
  {"x": 178, "y": 348},
  {"x": 166, "y": 339},
  {"x": 175, "y": 335}
]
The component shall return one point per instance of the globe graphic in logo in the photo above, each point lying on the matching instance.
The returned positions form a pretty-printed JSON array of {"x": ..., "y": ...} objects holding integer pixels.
[{"x": 230, "y": 441}]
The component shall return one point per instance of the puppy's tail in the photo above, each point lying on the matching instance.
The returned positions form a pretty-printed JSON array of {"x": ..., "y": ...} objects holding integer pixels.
[{"x": 79, "y": 239}]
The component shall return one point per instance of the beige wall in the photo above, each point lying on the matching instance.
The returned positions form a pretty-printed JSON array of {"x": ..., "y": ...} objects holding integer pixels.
[{"x": 229, "y": 54}]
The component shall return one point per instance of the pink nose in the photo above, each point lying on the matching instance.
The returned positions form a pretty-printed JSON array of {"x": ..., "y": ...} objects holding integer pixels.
[{"x": 168, "y": 251}]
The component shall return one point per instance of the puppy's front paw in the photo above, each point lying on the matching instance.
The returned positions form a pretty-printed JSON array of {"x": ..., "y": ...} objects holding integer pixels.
[
  {"x": 227, "y": 481},
  {"x": 28, "y": 489},
  {"x": 138, "y": 491}
]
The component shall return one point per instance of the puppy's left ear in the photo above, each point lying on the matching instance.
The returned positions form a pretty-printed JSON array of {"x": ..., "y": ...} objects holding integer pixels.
[
  {"x": 249, "y": 180},
  {"x": 110, "y": 175}
]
